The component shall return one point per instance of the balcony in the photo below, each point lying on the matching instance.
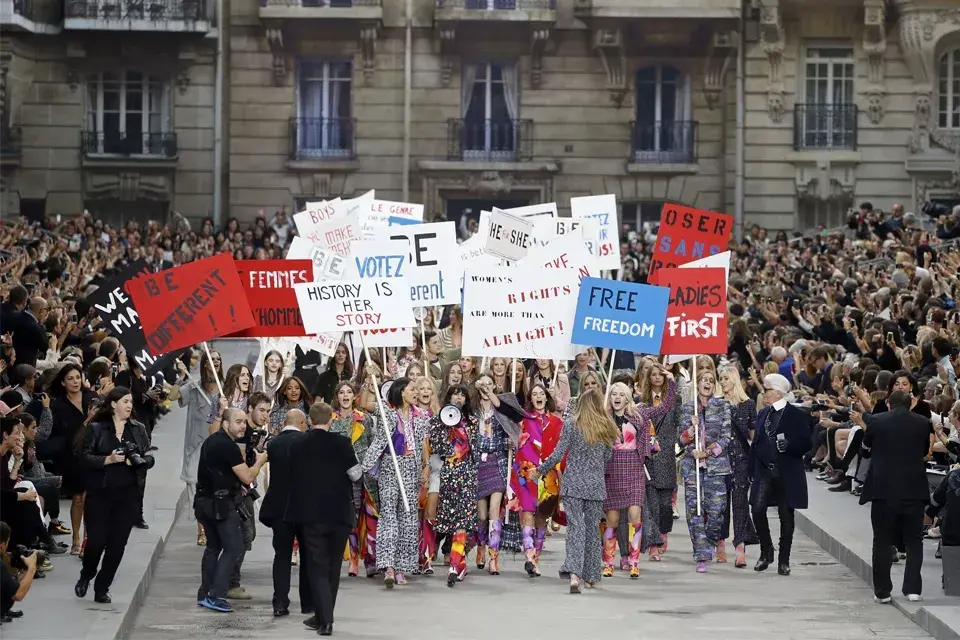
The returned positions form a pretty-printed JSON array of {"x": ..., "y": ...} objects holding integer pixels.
[
  {"x": 32, "y": 16},
  {"x": 490, "y": 140},
  {"x": 654, "y": 9},
  {"x": 322, "y": 139},
  {"x": 186, "y": 16},
  {"x": 663, "y": 143},
  {"x": 825, "y": 127},
  {"x": 496, "y": 11},
  {"x": 321, "y": 10},
  {"x": 10, "y": 146},
  {"x": 112, "y": 147}
]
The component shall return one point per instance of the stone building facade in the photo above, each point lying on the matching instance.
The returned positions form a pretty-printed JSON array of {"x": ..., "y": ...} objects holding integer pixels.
[{"x": 508, "y": 102}]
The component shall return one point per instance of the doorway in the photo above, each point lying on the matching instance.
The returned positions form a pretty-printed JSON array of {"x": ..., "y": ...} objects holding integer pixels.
[{"x": 461, "y": 211}]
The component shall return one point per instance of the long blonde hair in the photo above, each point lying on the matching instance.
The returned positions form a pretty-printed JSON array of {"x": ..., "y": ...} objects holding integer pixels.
[
  {"x": 584, "y": 377},
  {"x": 645, "y": 391},
  {"x": 594, "y": 421},
  {"x": 737, "y": 395}
]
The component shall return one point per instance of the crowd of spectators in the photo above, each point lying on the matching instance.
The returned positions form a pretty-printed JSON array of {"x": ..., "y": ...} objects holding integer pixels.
[{"x": 849, "y": 315}]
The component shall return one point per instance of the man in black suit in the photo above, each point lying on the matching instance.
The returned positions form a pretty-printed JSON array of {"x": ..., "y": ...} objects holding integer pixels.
[
  {"x": 271, "y": 514},
  {"x": 323, "y": 469},
  {"x": 896, "y": 442},
  {"x": 12, "y": 307},
  {"x": 29, "y": 336}
]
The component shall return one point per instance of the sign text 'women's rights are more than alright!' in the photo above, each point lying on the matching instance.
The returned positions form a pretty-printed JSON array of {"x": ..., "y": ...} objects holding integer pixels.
[
  {"x": 620, "y": 315},
  {"x": 352, "y": 305}
]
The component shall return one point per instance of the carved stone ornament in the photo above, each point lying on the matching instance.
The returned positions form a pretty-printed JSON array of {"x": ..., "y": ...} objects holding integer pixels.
[
  {"x": 274, "y": 37},
  {"x": 875, "y": 49},
  {"x": 446, "y": 37},
  {"x": 5, "y": 59},
  {"x": 825, "y": 181},
  {"x": 722, "y": 46},
  {"x": 920, "y": 133},
  {"x": 539, "y": 38},
  {"x": 368, "y": 48},
  {"x": 609, "y": 45},
  {"x": 493, "y": 182},
  {"x": 773, "y": 42}
]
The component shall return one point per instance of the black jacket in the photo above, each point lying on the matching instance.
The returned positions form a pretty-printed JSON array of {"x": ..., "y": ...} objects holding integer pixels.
[
  {"x": 98, "y": 444},
  {"x": 896, "y": 442},
  {"x": 278, "y": 453},
  {"x": 320, "y": 491},
  {"x": 795, "y": 426},
  {"x": 29, "y": 338}
]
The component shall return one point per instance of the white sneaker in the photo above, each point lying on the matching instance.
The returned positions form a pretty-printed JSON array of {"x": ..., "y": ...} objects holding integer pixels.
[
  {"x": 880, "y": 600},
  {"x": 914, "y": 597}
]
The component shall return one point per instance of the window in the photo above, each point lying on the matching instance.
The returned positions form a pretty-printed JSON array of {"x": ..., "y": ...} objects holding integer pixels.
[
  {"x": 128, "y": 112},
  {"x": 948, "y": 109},
  {"x": 489, "y": 106},
  {"x": 828, "y": 116},
  {"x": 324, "y": 127},
  {"x": 827, "y": 214},
  {"x": 490, "y": 5},
  {"x": 662, "y": 132}
]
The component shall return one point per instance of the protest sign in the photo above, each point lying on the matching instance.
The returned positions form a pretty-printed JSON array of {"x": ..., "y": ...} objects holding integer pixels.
[
  {"x": 327, "y": 265},
  {"x": 434, "y": 261},
  {"x": 185, "y": 305},
  {"x": 314, "y": 214},
  {"x": 545, "y": 230},
  {"x": 620, "y": 315},
  {"x": 720, "y": 260},
  {"x": 376, "y": 338},
  {"x": 697, "y": 314},
  {"x": 376, "y": 214},
  {"x": 352, "y": 305},
  {"x": 508, "y": 236},
  {"x": 336, "y": 235},
  {"x": 113, "y": 304},
  {"x": 687, "y": 234},
  {"x": 604, "y": 210},
  {"x": 516, "y": 312},
  {"x": 394, "y": 221},
  {"x": 382, "y": 259},
  {"x": 563, "y": 252},
  {"x": 269, "y": 287},
  {"x": 543, "y": 210}
]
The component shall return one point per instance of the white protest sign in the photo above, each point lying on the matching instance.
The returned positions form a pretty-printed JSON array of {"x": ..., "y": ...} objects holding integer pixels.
[
  {"x": 516, "y": 312},
  {"x": 382, "y": 259},
  {"x": 327, "y": 265},
  {"x": 336, "y": 235},
  {"x": 543, "y": 210},
  {"x": 716, "y": 260},
  {"x": 325, "y": 343},
  {"x": 563, "y": 252},
  {"x": 508, "y": 236},
  {"x": 604, "y": 209},
  {"x": 352, "y": 305},
  {"x": 315, "y": 213},
  {"x": 434, "y": 261},
  {"x": 588, "y": 229},
  {"x": 376, "y": 214}
]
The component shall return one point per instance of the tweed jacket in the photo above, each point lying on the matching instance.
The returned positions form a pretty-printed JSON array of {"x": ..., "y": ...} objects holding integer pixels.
[
  {"x": 586, "y": 464},
  {"x": 715, "y": 418}
]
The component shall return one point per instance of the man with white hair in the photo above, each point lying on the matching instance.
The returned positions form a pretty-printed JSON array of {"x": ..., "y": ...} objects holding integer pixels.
[{"x": 781, "y": 438}]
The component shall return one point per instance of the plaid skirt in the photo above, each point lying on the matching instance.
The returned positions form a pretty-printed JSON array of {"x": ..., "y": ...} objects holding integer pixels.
[
  {"x": 625, "y": 481},
  {"x": 490, "y": 479}
]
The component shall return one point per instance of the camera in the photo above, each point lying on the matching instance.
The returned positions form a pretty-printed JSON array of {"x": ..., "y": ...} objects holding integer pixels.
[
  {"x": 129, "y": 450},
  {"x": 934, "y": 209},
  {"x": 259, "y": 438},
  {"x": 17, "y": 553}
]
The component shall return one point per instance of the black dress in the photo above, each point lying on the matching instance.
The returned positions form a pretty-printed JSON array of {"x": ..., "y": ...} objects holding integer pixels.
[{"x": 68, "y": 424}]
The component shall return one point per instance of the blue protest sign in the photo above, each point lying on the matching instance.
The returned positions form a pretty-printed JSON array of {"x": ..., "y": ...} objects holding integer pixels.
[
  {"x": 620, "y": 315},
  {"x": 394, "y": 221}
]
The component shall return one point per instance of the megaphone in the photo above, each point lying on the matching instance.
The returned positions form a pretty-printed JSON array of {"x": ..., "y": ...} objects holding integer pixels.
[
  {"x": 385, "y": 388},
  {"x": 451, "y": 415}
]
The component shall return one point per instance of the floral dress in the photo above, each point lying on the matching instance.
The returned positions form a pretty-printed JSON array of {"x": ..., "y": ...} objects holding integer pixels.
[
  {"x": 537, "y": 430},
  {"x": 457, "y": 509}
]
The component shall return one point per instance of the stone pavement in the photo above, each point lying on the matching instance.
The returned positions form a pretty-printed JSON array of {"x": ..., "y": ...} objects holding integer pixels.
[
  {"x": 52, "y": 611},
  {"x": 842, "y": 527},
  {"x": 670, "y": 601}
]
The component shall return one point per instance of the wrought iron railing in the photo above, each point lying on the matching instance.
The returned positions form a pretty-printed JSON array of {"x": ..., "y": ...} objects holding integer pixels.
[
  {"x": 322, "y": 138},
  {"x": 825, "y": 126},
  {"x": 333, "y": 4},
  {"x": 498, "y": 5},
  {"x": 121, "y": 143},
  {"x": 45, "y": 11},
  {"x": 155, "y": 10},
  {"x": 10, "y": 142},
  {"x": 506, "y": 140},
  {"x": 664, "y": 142}
]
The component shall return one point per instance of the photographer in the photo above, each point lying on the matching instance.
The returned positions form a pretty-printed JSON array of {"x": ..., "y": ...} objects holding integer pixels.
[
  {"x": 220, "y": 508},
  {"x": 115, "y": 455},
  {"x": 13, "y": 589},
  {"x": 146, "y": 401}
]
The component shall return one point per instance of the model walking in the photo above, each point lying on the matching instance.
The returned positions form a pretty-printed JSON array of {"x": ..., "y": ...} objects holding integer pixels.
[{"x": 743, "y": 417}]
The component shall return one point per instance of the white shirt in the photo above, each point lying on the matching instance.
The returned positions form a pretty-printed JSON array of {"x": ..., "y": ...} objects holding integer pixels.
[{"x": 779, "y": 404}]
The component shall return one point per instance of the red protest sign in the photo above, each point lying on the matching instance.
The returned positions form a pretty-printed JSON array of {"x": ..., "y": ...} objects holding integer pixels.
[
  {"x": 185, "y": 305},
  {"x": 687, "y": 234},
  {"x": 697, "y": 313},
  {"x": 273, "y": 302}
]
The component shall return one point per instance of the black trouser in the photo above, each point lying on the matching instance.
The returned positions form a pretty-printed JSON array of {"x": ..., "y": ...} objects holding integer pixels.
[
  {"x": 51, "y": 500},
  {"x": 26, "y": 524},
  {"x": 248, "y": 528},
  {"x": 109, "y": 514},
  {"x": 325, "y": 547},
  {"x": 224, "y": 546},
  {"x": 773, "y": 490},
  {"x": 893, "y": 519},
  {"x": 283, "y": 535}
]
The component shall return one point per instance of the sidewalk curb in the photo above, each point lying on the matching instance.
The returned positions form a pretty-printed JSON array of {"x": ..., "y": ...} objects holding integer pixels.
[
  {"x": 922, "y": 616},
  {"x": 140, "y": 595}
]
